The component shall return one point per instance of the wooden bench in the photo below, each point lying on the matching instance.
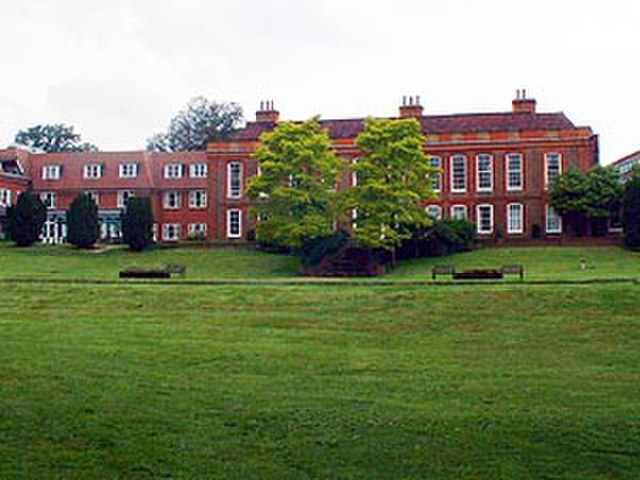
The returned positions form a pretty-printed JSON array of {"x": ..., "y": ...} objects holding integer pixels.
[
  {"x": 513, "y": 270},
  {"x": 165, "y": 272},
  {"x": 442, "y": 270}
]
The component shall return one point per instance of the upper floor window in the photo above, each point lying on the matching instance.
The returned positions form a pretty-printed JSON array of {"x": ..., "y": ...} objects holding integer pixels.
[
  {"x": 5, "y": 197},
  {"x": 92, "y": 171},
  {"x": 93, "y": 195},
  {"x": 128, "y": 170},
  {"x": 484, "y": 173},
  {"x": 124, "y": 196},
  {"x": 485, "y": 219},
  {"x": 197, "y": 199},
  {"x": 171, "y": 200},
  {"x": 49, "y": 199},
  {"x": 458, "y": 173},
  {"x": 198, "y": 170},
  {"x": 514, "y": 171},
  {"x": 436, "y": 183},
  {"x": 51, "y": 172},
  {"x": 234, "y": 177},
  {"x": 515, "y": 216},
  {"x": 173, "y": 170},
  {"x": 553, "y": 168}
]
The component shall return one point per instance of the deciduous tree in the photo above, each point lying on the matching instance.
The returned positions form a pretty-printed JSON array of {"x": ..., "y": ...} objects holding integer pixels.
[
  {"x": 631, "y": 211},
  {"x": 53, "y": 138}
]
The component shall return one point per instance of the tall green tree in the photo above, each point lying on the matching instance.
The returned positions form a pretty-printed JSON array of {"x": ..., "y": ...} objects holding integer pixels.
[
  {"x": 586, "y": 199},
  {"x": 83, "y": 229},
  {"x": 394, "y": 180},
  {"x": 53, "y": 138},
  {"x": 295, "y": 194},
  {"x": 25, "y": 219},
  {"x": 137, "y": 224},
  {"x": 201, "y": 122},
  {"x": 631, "y": 211}
]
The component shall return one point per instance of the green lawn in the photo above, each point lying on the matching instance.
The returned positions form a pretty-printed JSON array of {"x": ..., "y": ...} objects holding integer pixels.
[{"x": 466, "y": 382}]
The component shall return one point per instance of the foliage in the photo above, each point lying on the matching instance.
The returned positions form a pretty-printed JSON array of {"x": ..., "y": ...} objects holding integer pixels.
[
  {"x": 583, "y": 197},
  {"x": 137, "y": 223},
  {"x": 53, "y": 138},
  {"x": 201, "y": 122},
  {"x": 394, "y": 179},
  {"x": 631, "y": 211},
  {"x": 444, "y": 237},
  {"x": 25, "y": 219},
  {"x": 83, "y": 229},
  {"x": 314, "y": 250},
  {"x": 295, "y": 192}
]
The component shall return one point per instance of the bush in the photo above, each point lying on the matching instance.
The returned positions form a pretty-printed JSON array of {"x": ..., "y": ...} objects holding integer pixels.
[
  {"x": 314, "y": 250},
  {"x": 137, "y": 224},
  {"x": 631, "y": 212},
  {"x": 82, "y": 222},
  {"x": 444, "y": 237},
  {"x": 25, "y": 219}
]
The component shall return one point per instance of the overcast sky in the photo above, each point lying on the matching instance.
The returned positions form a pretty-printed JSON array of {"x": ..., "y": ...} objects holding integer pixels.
[{"x": 118, "y": 70}]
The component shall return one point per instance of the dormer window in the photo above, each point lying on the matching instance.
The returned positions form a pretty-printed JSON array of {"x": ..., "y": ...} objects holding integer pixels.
[
  {"x": 173, "y": 170},
  {"x": 92, "y": 171},
  {"x": 128, "y": 170},
  {"x": 51, "y": 172},
  {"x": 198, "y": 170}
]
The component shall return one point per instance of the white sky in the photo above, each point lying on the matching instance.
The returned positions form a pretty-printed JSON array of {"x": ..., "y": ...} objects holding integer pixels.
[{"x": 118, "y": 70}]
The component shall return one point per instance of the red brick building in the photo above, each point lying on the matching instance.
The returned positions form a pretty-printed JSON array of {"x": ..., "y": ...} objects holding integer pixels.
[{"x": 494, "y": 171}]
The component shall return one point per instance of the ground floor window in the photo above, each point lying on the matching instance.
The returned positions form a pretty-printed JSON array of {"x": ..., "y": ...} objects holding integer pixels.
[
  {"x": 54, "y": 229},
  {"x": 515, "y": 218},
  {"x": 553, "y": 221},
  {"x": 485, "y": 219},
  {"x": 434, "y": 211},
  {"x": 171, "y": 231},
  {"x": 459, "y": 212},
  {"x": 234, "y": 223},
  {"x": 197, "y": 230}
]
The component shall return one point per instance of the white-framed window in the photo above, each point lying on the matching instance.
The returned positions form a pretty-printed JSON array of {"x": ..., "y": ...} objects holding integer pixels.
[
  {"x": 197, "y": 229},
  {"x": 458, "y": 173},
  {"x": 515, "y": 218},
  {"x": 49, "y": 199},
  {"x": 234, "y": 223},
  {"x": 514, "y": 172},
  {"x": 553, "y": 221},
  {"x": 484, "y": 218},
  {"x": 171, "y": 200},
  {"x": 123, "y": 197},
  {"x": 197, "y": 199},
  {"x": 552, "y": 168},
  {"x": 234, "y": 180},
  {"x": 51, "y": 172},
  {"x": 93, "y": 195},
  {"x": 171, "y": 231},
  {"x": 436, "y": 183},
  {"x": 434, "y": 211},
  {"x": 93, "y": 170},
  {"x": 458, "y": 212},
  {"x": 198, "y": 170},
  {"x": 173, "y": 170},
  {"x": 484, "y": 173},
  {"x": 5, "y": 197},
  {"x": 128, "y": 170}
]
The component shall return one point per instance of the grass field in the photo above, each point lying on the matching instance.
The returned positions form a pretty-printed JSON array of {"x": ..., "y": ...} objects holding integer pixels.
[{"x": 347, "y": 382}]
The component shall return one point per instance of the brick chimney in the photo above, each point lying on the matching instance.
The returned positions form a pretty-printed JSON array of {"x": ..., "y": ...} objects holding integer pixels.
[
  {"x": 522, "y": 104},
  {"x": 267, "y": 113},
  {"x": 411, "y": 107}
]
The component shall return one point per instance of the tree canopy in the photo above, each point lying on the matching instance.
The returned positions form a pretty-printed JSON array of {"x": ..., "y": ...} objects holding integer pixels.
[
  {"x": 82, "y": 222},
  {"x": 137, "y": 223},
  {"x": 53, "y": 138},
  {"x": 631, "y": 211},
  {"x": 201, "y": 122},
  {"x": 394, "y": 179},
  {"x": 25, "y": 219},
  {"x": 295, "y": 192}
]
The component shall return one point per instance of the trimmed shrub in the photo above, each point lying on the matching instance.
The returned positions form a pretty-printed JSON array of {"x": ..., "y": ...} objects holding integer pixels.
[
  {"x": 25, "y": 219},
  {"x": 82, "y": 222},
  {"x": 137, "y": 224},
  {"x": 631, "y": 212}
]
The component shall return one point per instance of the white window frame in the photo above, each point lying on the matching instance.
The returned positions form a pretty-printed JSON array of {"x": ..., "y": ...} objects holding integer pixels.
[
  {"x": 197, "y": 199},
  {"x": 197, "y": 229},
  {"x": 123, "y": 197},
  {"x": 463, "y": 208},
  {"x": 51, "y": 172},
  {"x": 514, "y": 156},
  {"x": 515, "y": 224},
  {"x": 436, "y": 162},
  {"x": 434, "y": 211},
  {"x": 173, "y": 170},
  {"x": 231, "y": 222},
  {"x": 547, "y": 156},
  {"x": 234, "y": 180},
  {"x": 484, "y": 174},
  {"x": 452, "y": 162},
  {"x": 479, "y": 208},
  {"x": 94, "y": 195},
  {"x": 5, "y": 197},
  {"x": 198, "y": 170},
  {"x": 550, "y": 213},
  {"x": 171, "y": 232},
  {"x": 92, "y": 171},
  {"x": 171, "y": 200},
  {"x": 128, "y": 170},
  {"x": 49, "y": 199}
]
